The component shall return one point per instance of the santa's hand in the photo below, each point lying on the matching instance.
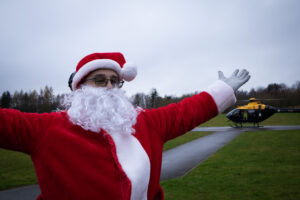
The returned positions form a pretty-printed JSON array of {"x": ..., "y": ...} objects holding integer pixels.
[{"x": 236, "y": 80}]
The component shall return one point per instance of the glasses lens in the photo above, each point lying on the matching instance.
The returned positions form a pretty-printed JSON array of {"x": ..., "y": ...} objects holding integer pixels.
[
  {"x": 100, "y": 80},
  {"x": 114, "y": 81}
]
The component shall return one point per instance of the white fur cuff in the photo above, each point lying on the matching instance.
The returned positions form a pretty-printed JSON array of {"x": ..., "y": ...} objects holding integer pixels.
[{"x": 223, "y": 95}]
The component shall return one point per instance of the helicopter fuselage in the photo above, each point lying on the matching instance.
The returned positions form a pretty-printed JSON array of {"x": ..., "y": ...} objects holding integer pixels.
[
  {"x": 255, "y": 112},
  {"x": 238, "y": 115}
]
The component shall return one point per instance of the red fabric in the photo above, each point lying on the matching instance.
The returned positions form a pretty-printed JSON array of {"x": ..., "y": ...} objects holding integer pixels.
[
  {"x": 72, "y": 163},
  {"x": 115, "y": 56}
]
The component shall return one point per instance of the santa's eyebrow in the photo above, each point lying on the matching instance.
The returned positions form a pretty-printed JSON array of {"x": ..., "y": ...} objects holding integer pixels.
[
  {"x": 99, "y": 75},
  {"x": 114, "y": 76}
]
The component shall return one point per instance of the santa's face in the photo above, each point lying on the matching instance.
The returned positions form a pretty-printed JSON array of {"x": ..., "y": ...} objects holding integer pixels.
[
  {"x": 96, "y": 108},
  {"x": 103, "y": 78}
]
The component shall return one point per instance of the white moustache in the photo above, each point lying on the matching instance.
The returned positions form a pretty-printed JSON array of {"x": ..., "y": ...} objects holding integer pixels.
[{"x": 101, "y": 108}]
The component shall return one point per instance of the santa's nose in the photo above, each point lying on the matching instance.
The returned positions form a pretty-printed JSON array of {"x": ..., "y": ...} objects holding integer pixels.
[{"x": 109, "y": 85}]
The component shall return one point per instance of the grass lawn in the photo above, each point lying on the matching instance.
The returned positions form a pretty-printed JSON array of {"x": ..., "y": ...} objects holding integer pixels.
[
  {"x": 16, "y": 169},
  {"x": 276, "y": 119},
  {"x": 256, "y": 165}
]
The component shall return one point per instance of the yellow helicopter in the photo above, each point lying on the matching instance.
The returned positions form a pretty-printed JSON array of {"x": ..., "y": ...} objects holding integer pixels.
[{"x": 254, "y": 112}]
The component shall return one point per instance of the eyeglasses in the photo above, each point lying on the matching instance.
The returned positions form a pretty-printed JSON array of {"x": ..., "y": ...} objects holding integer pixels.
[{"x": 102, "y": 81}]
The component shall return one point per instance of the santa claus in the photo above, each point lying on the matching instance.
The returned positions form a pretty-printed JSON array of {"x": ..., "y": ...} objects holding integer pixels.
[{"x": 101, "y": 146}]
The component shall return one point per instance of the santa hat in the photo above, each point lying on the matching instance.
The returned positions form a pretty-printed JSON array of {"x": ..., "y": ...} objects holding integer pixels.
[{"x": 114, "y": 61}]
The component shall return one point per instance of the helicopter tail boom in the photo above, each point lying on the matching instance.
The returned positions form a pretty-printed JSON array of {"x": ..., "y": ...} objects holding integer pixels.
[{"x": 287, "y": 110}]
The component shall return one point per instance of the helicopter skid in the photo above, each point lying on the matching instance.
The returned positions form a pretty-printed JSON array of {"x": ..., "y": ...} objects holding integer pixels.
[{"x": 241, "y": 126}]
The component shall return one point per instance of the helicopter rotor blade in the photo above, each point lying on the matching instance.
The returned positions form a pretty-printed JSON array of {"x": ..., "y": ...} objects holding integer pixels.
[
  {"x": 247, "y": 100},
  {"x": 269, "y": 99}
]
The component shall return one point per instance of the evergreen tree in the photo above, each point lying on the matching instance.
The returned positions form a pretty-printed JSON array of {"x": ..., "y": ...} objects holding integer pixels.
[
  {"x": 153, "y": 98},
  {"x": 6, "y": 100}
]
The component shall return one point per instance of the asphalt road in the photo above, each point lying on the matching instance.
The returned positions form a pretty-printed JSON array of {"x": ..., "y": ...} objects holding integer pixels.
[
  {"x": 30, "y": 192},
  {"x": 191, "y": 155}
]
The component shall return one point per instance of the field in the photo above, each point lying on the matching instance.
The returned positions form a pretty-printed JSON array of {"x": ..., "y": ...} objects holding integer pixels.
[
  {"x": 256, "y": 165},
  {"x": 276, "y": 119},
  {"x": 16, "y": 169}
]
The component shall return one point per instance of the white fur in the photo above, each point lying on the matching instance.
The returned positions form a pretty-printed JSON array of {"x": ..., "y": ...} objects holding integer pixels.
[
  {"x": 129, "y": 72},
  {"x": 135, "y": 163},
  {"x": 100, "y": 108},
  {"x": 222, "y": 94}
]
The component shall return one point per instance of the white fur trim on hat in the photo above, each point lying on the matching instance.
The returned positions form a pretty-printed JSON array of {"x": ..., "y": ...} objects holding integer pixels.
[
  {"x": 129, "y": 72},
  {"x": 92, "y": 66}
]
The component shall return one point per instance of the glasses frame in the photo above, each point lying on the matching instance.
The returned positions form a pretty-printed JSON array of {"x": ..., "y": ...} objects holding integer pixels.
[{"x": 119, "y": 83}]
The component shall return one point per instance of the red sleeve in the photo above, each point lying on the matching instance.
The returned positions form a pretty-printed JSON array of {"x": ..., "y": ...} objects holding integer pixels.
[
  {"x": 21, "y": 131},
  {"x": 177, "y": 119}
]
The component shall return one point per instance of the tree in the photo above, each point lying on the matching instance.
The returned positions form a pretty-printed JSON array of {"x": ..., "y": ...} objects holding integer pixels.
[
  {"x": 139, "y": 99},
  {"x": 16, "y": 100},
  {"x": 25, "y": 103},
  {"x": 33, "y": 101},
  {"x": 153, "y": 98},
  {"x": 46, "y": 99},
  {"x": 6, "y": 100}
]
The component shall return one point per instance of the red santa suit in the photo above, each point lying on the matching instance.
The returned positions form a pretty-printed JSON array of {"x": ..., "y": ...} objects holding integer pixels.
[{"x": 72, "y": 163}]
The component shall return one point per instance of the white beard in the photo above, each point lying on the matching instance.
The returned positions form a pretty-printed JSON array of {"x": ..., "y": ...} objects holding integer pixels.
[{"x": 101, "y": 108}]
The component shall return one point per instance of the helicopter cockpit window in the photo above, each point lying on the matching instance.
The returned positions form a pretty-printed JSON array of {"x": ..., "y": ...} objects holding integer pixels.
[{"x": 233, "y": 113}]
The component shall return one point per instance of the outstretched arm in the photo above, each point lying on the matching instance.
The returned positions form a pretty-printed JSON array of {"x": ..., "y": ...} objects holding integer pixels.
[
  {"x": 177, "y": 119},
  {"x": 173, "y": 164},
  {"x": 21, "y": 131}
]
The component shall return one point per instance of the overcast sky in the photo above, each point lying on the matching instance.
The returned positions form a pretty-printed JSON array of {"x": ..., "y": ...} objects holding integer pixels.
[{"x": 178, "y": 45}]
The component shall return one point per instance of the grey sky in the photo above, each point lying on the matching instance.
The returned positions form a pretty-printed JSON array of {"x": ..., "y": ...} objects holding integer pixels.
[{"x": 178, "y": 45}]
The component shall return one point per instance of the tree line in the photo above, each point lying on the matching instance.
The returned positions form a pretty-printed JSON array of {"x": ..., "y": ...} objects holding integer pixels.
[
  {"x": 279, "y": 95},
  {"x": 32, "y": 101}
]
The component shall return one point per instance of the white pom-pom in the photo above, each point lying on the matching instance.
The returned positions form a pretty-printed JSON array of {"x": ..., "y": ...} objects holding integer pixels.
[{"x": 129, "y": 71}]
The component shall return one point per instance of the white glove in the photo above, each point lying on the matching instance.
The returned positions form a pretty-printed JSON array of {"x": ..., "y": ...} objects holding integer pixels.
[{"x": 236, "y": 80}]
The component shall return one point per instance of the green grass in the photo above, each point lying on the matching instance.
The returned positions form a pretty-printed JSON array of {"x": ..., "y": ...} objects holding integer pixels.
[
  {"x": 276, "y": 119},
  {"x": 281, "y": 119},
  {"x": 219, "y": 120},
  {"x": 16, "y": 169},
  {"x": 256, "y": 165}
]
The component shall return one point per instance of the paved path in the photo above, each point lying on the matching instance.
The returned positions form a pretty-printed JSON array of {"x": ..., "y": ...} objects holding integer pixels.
[
  {"x": 263, "y": 128},
  {"x": 30, "y": 192},
  {"x": 191, "y": 155},
  {"x": 180, "y": 160}
]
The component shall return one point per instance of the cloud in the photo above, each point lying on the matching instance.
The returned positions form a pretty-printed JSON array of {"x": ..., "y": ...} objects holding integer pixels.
[{"x": 178, "y": 46}]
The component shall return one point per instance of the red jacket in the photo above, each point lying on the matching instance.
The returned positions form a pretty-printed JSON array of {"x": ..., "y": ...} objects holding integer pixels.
[{"x": 72, "y": 163}]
